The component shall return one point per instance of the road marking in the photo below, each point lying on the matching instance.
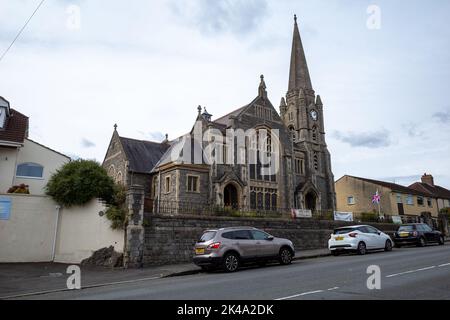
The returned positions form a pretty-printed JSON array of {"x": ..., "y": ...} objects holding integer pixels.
[
  {"x": 300, "y": 294},
  {"x": 307, "y": 293},
  {"x": 444, "y": 265},
  {"x": 332, "y": 289},
  {"x": 410, "y": 271}
]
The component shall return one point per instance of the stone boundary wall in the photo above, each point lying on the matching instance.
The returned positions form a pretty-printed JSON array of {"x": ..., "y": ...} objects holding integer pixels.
[{"x": 170, "y": 239}]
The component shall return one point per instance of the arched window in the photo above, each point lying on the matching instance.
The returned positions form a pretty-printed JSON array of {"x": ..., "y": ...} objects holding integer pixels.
[
  {"x": 112, "y": 171},
  {"x": 119, "y": 177},
  {"x": 30, "y": 170},
  {"x": 293, "y": 133},
  {"x": 314, "y": 133}
]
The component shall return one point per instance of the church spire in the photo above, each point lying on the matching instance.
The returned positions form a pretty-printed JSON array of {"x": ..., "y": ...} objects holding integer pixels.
[{"x": 298, "y": 74}]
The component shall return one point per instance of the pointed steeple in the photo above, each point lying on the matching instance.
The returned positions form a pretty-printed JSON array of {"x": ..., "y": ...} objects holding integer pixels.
[
  {"x": 318, "y": 101},
  {"x": 298, "y": 74},
  {"x": 283, "y": 106}
]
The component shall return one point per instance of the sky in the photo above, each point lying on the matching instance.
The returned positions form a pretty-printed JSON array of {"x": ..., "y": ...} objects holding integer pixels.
[{"x": 382, "y": 69}]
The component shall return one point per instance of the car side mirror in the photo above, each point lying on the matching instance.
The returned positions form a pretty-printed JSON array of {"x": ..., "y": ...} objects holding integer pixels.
[{"x": 270, "y": 238}]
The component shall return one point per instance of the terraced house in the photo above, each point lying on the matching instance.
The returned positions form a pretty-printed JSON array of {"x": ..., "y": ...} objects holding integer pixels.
[
  {"x": 298, "y": 174},
  {"x": 421, "y": 201}
]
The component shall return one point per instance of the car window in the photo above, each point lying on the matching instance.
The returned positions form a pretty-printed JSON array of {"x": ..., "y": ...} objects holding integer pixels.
[
  {"x": 228, "y": 235},
  {"x": 364, "y": 229},
  {"x": 242, "y": 235},
  {"x": 259, "y": 235},
  {"x": 426, "y": 228},
  {"x": 343, "y": 230},
  {"x": 406, "y": 228},
  {"x": 206, "y": 236},
  {"x": 372, "y": 229}
]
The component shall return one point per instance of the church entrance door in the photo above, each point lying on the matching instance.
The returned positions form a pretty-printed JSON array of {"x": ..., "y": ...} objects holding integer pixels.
[
  {"x": 310, "y": 201},
  {"x": 230, "y": 196}
]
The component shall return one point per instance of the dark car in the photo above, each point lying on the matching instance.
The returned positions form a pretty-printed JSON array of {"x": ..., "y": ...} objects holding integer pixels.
[{"x": 417, "y": 233}]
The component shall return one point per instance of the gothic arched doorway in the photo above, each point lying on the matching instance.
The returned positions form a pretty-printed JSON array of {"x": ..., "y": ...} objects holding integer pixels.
[
  {"x": 310, "y": 201},
  {"x": 230, "y": 196}
]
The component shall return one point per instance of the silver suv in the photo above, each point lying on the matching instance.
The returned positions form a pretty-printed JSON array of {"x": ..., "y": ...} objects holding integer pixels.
[{"x": 230, "y": 247}]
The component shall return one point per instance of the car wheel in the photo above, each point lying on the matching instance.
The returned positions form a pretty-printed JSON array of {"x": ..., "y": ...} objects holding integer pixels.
[
  {"x": 362, "y": 249},
  {"x": 421, "y": 242},
  {"x": 388, "y": 245},
  {"x": 285, "y": 256},
  {"x": 335, "y": 253},
  {"x": 441, "y": 240},
  {"x": 231, "y": 262}
]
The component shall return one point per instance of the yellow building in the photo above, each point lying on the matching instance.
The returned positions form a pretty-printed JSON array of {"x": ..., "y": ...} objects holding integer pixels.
[{"x": 354, "y": 194}]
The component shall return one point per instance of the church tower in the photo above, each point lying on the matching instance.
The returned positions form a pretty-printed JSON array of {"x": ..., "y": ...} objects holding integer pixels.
[{"x": 302, "y": 113}]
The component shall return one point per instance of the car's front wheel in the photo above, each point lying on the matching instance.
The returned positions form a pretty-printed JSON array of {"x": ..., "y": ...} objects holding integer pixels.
[
  {"x": 362, "y": 249},
  {"x": 388, "y": 245},
  {"x": 441, "y": 240},
  {"x": 285, "y": 256},
  {"x": 231, "y": 262}
]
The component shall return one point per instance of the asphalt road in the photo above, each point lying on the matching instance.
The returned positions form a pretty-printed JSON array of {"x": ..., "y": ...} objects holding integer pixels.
[{"x": 406, "y": 273}]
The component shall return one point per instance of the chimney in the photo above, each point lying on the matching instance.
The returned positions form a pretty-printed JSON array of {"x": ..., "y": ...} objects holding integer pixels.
[{"x": 428, "y": 178}]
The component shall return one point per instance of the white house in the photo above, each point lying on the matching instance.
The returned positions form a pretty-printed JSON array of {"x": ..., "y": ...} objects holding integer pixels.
[{"x": 22, "y": 160}]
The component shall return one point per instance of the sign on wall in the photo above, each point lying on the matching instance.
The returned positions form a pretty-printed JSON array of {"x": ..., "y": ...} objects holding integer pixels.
[
  {"x": 5, "y": 208},
  {"x": 343, "y": 216},
  {"x": 301, "y": 213}
]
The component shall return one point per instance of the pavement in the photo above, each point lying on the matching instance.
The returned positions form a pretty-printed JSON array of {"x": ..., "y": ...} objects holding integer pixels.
[
  {"x": 20, "y": 280},
  {"x": 404, "y": 273}
]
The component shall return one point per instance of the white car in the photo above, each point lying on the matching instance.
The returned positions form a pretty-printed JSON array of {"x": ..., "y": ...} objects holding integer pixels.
[{"x": 358, "y": 239}]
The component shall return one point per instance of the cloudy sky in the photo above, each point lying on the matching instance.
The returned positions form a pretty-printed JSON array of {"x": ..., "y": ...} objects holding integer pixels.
[{"x": 80, "y": 66}]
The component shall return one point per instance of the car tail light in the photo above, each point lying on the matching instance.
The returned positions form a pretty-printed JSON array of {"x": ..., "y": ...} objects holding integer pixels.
[
  {"x": 353, "y": 234},
  {"x": 415, "y": 233},
  {"x": 215, "y": 245}
]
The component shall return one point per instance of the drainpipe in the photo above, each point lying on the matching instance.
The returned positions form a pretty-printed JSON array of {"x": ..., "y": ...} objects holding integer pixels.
[
  {"x": 58, "y": 208},
  {"x": 159, "y": 190}
]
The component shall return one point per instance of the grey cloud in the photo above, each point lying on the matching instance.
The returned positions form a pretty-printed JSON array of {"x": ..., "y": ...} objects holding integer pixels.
[
  {"x": 413, "y": 130},
  {"x": 87, "y": 143},
  {"x": 371, "y": 140},
  {"x": 443, "y": 117},
  {"x": 236, "y": 16}
]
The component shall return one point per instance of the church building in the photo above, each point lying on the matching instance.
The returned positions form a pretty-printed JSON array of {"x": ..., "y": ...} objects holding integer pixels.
[{"x": 254, "y": 158}]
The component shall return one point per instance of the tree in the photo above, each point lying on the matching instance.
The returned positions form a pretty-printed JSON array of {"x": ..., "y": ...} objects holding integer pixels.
[{"x": 80, "y": 181}]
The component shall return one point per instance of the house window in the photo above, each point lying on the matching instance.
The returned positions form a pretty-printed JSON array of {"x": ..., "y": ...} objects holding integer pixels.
[
  {"x": 409, "y": 200},
  {"x": 167, "y": 185},
  {"x": 419, "y": 200},
  {"x": 350, "y": 200},
  {"x": 399, "y": 198},
  {"x": 30, "y": 170},
  {"x": 429, "y": 203},
  {"x": 193, "y": 183}
]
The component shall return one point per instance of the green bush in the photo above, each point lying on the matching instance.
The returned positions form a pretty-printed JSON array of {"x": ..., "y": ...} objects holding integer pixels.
[
  {"x": 369, "y": 217},
  {"x": 80, "y": 181},
  {"x": 117, "y": 211}
]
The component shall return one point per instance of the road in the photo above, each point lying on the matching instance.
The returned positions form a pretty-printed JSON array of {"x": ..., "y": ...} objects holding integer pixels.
[{"x": 406, "y": 273}]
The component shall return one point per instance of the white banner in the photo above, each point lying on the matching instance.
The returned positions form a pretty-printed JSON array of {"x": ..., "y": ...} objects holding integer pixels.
[
  {"x": 343, "y": 216},
  {"x": 397, "y": 219},
  {"x": 301, "y": 213}
]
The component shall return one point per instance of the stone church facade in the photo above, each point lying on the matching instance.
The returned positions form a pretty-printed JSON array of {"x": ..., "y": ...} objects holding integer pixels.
[{"x": 202, "y": 169}]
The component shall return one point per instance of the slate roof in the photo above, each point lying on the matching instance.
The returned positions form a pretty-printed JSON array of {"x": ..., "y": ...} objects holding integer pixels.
[
  {"x": 16, "y": 129},
  {"x": 436, "y": 191},
  {"x": 395, "y": 187},
  {"x": 143, "y": 155}
]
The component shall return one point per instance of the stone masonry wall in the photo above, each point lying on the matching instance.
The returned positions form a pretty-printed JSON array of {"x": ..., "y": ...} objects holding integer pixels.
[{"x": 171, "y": 239}]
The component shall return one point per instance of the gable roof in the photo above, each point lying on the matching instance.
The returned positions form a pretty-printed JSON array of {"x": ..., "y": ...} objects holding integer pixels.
[
  {"x": 142, "y": 155},
  {"x": 394, "y": 187},
  {"x": 436, "y": 191},
  {"x": 16, "y": 128}
]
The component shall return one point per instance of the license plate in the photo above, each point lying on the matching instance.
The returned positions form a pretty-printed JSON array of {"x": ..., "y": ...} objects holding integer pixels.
[
  {"x": 339, "y": 238},
  {"x": 404, "y": 234},
  {"x": 199, "y": 250}
]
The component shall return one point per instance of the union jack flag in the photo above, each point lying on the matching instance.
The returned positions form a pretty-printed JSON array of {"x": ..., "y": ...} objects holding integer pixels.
[{"x": 376, "y": 197}]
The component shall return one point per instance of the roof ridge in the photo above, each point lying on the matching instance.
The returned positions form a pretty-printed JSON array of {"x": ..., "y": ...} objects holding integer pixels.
[{"x": 140, "y": 140}]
